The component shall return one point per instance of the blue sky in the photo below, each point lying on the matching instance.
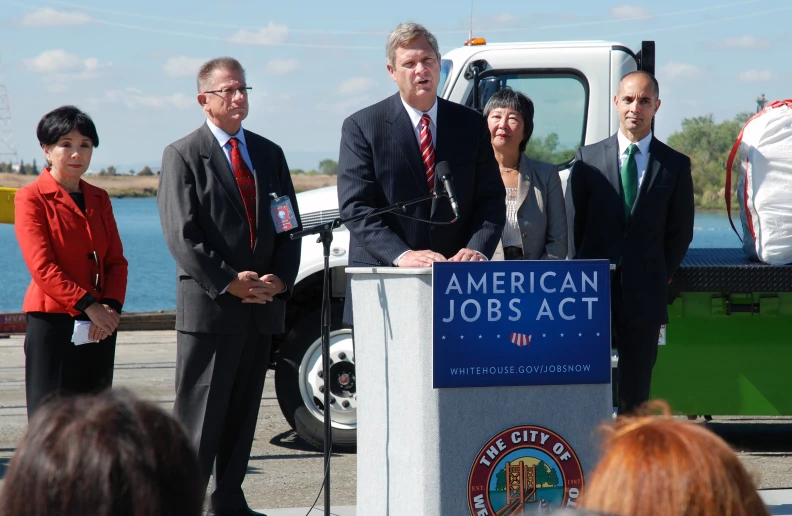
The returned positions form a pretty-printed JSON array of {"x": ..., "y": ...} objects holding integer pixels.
[{"x": 131, "y": 65}]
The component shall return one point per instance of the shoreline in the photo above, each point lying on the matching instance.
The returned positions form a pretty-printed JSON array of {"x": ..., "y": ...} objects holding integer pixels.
[{"x": 127, "y": 186}]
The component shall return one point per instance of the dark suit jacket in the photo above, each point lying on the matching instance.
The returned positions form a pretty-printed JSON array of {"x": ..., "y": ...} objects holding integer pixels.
[
  {"x": 57, "y": 241},
  {"x": 380, "y": 164},
  {"x": 653, "y": 243},
  {"x": 207, "y": 231}
]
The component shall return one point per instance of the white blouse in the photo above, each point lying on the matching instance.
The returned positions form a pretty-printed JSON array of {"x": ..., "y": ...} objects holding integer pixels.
[{"x": 511, "y": 232}]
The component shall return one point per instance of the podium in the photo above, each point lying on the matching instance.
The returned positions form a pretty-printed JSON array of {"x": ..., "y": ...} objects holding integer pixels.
[{"x": 433, "y": 451}]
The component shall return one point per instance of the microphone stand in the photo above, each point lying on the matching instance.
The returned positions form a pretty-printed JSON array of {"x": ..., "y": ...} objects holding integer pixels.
[{"x": 325, "y": 232}]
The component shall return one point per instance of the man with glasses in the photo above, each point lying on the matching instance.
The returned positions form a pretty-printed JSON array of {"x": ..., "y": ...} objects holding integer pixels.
[{"x": 220, "y": 190}]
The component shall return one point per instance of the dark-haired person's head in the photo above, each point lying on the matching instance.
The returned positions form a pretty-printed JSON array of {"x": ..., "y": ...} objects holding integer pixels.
[
  {"x": 658, "y": 465},
  {"x": 106, "y": 455},
  {"x": 510, "y": 117},
  {"x": 68, "y": 137}
]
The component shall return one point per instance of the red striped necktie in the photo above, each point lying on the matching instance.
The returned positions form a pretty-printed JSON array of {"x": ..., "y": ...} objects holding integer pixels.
[
  {"x": 247, "y": 186},
  {"x": 427, "y": 151}
]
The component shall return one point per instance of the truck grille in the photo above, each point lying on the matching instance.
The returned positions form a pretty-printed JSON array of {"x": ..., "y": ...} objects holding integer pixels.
[{"x": 317, "y": 217}]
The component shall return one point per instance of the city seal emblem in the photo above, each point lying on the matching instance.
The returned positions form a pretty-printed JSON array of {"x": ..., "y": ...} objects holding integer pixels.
[{"x": 524, "y": 470}]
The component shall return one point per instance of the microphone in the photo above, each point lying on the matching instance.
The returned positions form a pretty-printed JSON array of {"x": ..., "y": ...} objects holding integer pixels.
[{"x": 443, "y": 172}]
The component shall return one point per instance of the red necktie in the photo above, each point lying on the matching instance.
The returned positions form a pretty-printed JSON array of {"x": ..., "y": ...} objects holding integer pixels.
[
  {"x": 427, "y": 151},
  {"x": 247, "y": 186}
]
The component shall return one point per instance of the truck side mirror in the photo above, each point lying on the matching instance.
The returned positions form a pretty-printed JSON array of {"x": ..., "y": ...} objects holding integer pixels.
[
  {"x": 488, "y": 87},
  {"x": 472, "y": 72},
  {"x": 646, "y": 57}
]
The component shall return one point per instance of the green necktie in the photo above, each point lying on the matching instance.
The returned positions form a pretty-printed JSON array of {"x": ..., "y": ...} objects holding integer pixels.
[{"x": 629, "y": 179}]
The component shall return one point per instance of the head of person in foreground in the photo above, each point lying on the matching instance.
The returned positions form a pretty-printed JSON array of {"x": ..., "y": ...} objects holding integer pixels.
[
  {"x": 658, "y": 465},
  {"x": 105, "y": 454}
]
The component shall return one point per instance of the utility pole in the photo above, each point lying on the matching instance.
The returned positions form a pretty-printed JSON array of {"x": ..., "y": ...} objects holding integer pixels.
[
  {"x": 8, "y": 152},
  {"x": 761, "y": 100}
]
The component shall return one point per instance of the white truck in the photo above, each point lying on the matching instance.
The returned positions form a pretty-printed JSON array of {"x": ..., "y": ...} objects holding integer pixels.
[{"x": 572, "y": 85}]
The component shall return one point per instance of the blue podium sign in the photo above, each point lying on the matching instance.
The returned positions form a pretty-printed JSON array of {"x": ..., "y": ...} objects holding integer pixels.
[{"x": 510, "y": 323}]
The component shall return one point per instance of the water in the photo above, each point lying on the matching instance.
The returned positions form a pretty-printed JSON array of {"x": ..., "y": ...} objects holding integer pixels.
[
  {"x": 553, "y": 496},
  {"x": 152, "y": 271}
]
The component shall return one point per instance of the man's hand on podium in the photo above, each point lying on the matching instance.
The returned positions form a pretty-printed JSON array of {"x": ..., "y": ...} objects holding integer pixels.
[
  {"x": 420, "y": 259},
  {"x": 468, "y": 255}
]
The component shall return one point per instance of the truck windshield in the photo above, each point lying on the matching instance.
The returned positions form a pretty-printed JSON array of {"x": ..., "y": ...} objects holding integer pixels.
[
  {"x": 446, "y": 66},
  {"x": 560, "y": 102}
]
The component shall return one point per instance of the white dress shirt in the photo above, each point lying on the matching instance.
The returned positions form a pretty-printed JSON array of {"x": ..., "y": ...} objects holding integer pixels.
[
  {"x": 641, "y": 156},
  {"x": 415, "y": 118},
  {"x": 223, "y": 138}
]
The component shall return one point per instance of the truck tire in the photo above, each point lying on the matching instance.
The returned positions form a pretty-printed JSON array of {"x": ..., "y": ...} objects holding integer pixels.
[{"x": 299, "y": 379}]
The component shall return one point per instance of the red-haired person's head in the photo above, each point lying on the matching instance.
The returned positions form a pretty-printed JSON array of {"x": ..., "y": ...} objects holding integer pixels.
[{"x": 657, "y": 465}]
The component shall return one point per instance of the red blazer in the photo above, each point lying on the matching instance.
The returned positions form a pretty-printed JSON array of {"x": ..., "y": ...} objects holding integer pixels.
[{"x": 58, "y": 244}]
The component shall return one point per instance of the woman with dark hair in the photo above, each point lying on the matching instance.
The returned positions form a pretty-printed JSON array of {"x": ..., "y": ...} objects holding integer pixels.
[
  {"x": 104, "y": 455},
  {"x": 657, "y": 465},
  {"x": 536, "y": 223},
  {"x": 70, "y": 243}
]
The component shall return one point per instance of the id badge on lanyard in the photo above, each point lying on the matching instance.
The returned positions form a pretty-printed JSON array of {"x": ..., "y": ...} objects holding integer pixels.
[{"x": 282, "y": 213}]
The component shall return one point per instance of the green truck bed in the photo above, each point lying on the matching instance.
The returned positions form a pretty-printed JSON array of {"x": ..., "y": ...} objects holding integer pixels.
[{"x": 728, "y": 347}]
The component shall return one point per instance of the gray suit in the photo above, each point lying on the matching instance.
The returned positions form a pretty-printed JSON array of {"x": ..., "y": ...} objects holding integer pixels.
[
  {"x": 223, "y": 345},
  {"x": 541, "y": 214}
]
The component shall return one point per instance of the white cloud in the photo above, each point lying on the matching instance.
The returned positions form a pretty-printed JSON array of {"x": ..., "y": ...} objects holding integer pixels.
[
  {"x": 182, "y": 66},
  {"x": 504, "y": 18},
  {"x": 49, "y": 17},
  {"x": 345, "y": 106},
  {"x": 272, "y": 34},
  {"x": 755, "y": 76},
  {"x": 282, "y": 66},
  {"x": 744, "y": 42},
  {"x": 629, "y": 12},
  {"x": 676, "y": 71},
  {"x": 61, "y": 68},
  {"x": 355, "y": 85},
  {"x": 133, "y": 98},
  {"x": 54, "y": 61}
]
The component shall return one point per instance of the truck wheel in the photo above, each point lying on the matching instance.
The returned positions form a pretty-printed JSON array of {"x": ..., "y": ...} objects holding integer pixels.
[{"x": 300, "y": 381}]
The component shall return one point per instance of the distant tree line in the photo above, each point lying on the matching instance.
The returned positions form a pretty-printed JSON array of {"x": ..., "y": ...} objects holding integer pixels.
[
  {"x": 24, "y": 168},
  {"x": 327, "y": 167},
  {"x": 112, "y": 171},
  {"x": 706, "y": 142},
  {"x": 32, "y": 169},
  {"x": 708, "y": 145}
]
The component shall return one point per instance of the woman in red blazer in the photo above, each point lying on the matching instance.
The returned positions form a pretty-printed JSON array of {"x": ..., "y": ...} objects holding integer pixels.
[{"x": 70, "y": 243}]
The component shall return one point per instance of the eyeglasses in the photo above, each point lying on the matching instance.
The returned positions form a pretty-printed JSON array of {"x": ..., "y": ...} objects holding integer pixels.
[
  {"x": 96, "y": 272},
  {"x": 230, "y": 92}
]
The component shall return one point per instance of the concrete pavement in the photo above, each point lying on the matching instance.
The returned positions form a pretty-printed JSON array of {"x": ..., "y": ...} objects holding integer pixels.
[{"x": 285, "y": 472}]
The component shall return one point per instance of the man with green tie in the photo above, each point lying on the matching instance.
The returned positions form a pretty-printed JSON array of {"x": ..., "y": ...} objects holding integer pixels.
[{"x": 633, "y": 205}]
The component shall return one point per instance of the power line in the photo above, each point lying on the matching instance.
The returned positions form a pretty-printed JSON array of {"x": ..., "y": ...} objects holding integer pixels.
[
  {"x": 334, "y": 32},
  {"x": 8, "y": 150}
]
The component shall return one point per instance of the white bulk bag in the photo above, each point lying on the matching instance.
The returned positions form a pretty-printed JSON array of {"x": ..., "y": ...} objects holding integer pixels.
[{"x": 764, "y": 190}]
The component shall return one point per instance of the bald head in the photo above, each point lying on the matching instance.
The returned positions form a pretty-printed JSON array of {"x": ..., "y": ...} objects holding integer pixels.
[{"x": 645, "y": 75}]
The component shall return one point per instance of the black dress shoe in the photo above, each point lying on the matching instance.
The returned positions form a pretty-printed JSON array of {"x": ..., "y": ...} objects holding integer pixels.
[{"x": 240, "y": 512}]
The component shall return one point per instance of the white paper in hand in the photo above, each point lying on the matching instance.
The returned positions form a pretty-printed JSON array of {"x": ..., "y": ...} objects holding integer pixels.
[{"x": 80, "y": 335}]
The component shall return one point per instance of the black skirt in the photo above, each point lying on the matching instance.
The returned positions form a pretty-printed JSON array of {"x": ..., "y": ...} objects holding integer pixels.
[
  {"x": 54, "y": 366},
  {"x": 512, "y": 253}
]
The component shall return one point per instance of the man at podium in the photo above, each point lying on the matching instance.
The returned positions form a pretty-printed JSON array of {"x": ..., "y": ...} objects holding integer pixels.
[{"x": 389, "y": 152}]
